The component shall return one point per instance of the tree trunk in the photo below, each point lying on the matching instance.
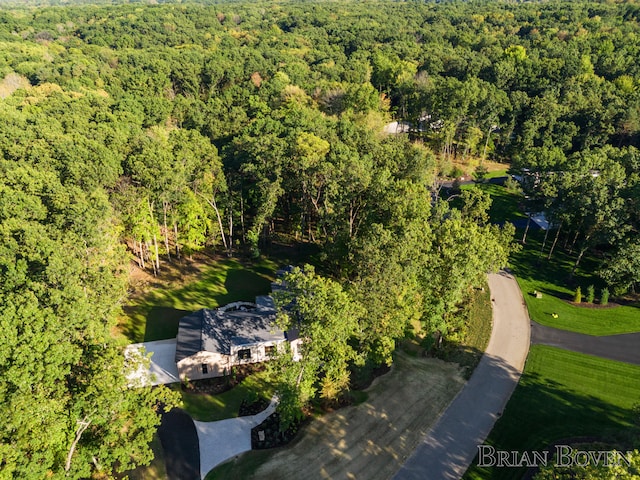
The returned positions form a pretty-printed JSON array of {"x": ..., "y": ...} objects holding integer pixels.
[
  {"x": 242, "y": 216},
  {"x": 166, "y": 230},
  {"x": 316, "y": 205},
  {"x": 215, "y": 208},
  {"x": 544, "y": 242},
  {"x": 575, "y": 266},
  {"x": 555, "y": 240},
  {"x": 573, "y": 244},
  {"x": 526, "y": 230},
  {"x": 82, "y": 426},
  {"x": 137, "y": 253},
  {"x": 351, "y": 219},
  {"x": 151, "y": 259},
  {"x": 175, "y": 238},
  {"x": 299, "y": 379},
  {"x": 141, "y": 254},
  {"x": 156, "y": 260},
  {"x": 486, "y": 145},
  {"x": 155, "y": 244},
  {"x": 213, "y": 204},
  {"x": 230, "y": 251}
]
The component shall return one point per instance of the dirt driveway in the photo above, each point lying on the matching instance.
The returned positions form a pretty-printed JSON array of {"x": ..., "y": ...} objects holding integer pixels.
[{"x": 373, "y": 439}]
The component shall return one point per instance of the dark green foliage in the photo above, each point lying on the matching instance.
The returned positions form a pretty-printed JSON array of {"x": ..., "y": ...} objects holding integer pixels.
[
  {"x": 591, "y": 293},
  {"x": 170, "y": 128},
  {"x": 480, "y": 173},
  {"x": 62, "y": 278}
]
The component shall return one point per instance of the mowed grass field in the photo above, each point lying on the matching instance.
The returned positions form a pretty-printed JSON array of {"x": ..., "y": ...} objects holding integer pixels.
[
  {"x": 210, "y": 408},
  {"x": 552, "y": 277},
  {"x": 369, "y": 440},
  {"x": 154, "y": 315},
  {"x": 592, "y": 321},
  {"x": 563, "y": 395}
]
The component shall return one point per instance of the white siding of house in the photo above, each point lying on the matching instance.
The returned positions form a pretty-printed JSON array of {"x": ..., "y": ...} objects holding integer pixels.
[
  {"x": 258, "y": 353},
  {"x": 191, "y": 367},
  {"x": 217, "y": 364}
]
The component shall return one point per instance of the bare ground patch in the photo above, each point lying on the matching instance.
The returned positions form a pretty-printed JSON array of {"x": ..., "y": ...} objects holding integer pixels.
[{"x": 371, "y": 440}]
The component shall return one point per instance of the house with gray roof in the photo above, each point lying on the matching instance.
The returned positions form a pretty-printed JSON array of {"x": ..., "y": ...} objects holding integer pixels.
[{"x": 211, "y": 341}]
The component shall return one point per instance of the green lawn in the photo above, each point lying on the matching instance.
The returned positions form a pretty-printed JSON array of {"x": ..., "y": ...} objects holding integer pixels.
[
  {"x": 609, "y": 321},
  {"x": 156, "y": 470},
  {"x": 243, "y": 466},
  {"x": 496, "y": 173},
  {"x": 209, "y": 408},
  {"x": 504, "y": 205},
  {"x": 155, "y": 315},
  {"x": 554, "y": 280},
  {"x": 563, "y": 395}
]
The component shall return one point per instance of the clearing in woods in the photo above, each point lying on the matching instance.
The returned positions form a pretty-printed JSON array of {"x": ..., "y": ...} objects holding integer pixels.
[{"x": 370, "y": 440}]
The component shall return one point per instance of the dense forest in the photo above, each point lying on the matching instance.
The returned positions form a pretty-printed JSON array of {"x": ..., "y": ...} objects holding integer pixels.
[{"x": 148, "y": 132}]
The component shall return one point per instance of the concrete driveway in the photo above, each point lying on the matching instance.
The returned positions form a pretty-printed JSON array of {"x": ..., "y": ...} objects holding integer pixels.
[
  {"x": 222, "y": 440},
  {"x": 451, "y": 445},
  {"x": 162, "y": 369}
]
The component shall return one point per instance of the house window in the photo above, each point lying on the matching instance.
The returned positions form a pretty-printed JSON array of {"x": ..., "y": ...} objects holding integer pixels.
[
  {"x": 269, "y": 350},
  {"x": 205, "y": 369},
  {"x": 244, "y": 354}
]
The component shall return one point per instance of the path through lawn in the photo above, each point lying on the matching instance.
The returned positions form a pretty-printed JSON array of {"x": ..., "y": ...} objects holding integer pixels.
[{"x": 373, "y": 439}]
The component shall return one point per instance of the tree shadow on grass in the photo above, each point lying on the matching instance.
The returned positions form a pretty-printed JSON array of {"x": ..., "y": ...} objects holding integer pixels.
[
  {"x": 162, "y": 323},
  {"x": 555, "y": 292},
  {"x": 542, "y": 411},
  {"x": 217, "y": 288},
  {"x": 134, "y": 326},
  {"x": 243, "y": 285}
]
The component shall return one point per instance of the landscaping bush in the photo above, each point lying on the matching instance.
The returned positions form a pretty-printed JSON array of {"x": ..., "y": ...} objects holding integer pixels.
[
  {"x": 272, "y": 435},
  {"x": 577, "y": 298},
  {"x": 252, "y": 405},
  {"x": 456, "y": 172},
  {"x": 604, "y": 296},
  {"x": 512, "y": 185},
  {"x": 591, "y": 293},
  {"x": 480, "y": 173}
]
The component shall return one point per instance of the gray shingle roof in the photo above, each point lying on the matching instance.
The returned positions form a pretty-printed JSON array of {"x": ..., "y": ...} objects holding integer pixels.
[
  {"x": 189, "y": 341},
  {"x": 217, "y": 331}
]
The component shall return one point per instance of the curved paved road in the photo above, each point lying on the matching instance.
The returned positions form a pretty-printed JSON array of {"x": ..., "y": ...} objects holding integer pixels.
[
  {"x": 180, "y": 444},
  {"x": 452, "y": 443},
  {"x": 623, "y": 348}
]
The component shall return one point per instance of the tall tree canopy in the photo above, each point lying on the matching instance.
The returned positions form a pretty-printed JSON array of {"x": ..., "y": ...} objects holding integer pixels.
[{"x": 170, "y": 128}]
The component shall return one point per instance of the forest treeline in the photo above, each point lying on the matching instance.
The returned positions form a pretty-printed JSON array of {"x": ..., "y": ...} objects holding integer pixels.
[{"x": 152, "y": 131}]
